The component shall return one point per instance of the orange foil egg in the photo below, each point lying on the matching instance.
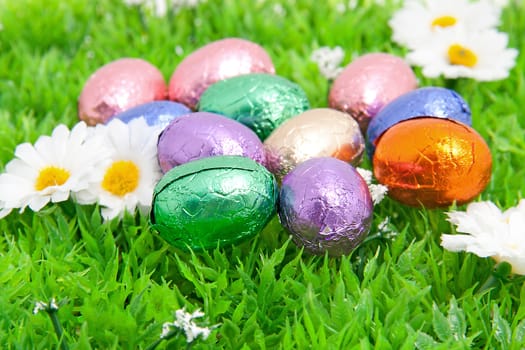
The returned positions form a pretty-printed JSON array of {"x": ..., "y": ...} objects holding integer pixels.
[{"x": 432, "y": 162}]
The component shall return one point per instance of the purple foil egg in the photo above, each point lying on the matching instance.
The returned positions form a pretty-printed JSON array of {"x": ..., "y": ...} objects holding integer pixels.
[
  {"x": 119, "y": 86},
  {"x": 202, "y": 134},
  {"x": 326, "y": 206},
  {"x": 156, "y": 113},
  {"x": 423, "y": 102},
  {"x": 368, "y": 83}
]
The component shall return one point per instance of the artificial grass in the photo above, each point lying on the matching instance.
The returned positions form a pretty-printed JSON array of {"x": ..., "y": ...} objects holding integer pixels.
[{"x": 120, "y": 281}]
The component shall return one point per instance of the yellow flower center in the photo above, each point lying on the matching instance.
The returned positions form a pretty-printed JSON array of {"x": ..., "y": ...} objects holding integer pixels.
[
  {"x": 51, "y": 176},
  {"x": 444, "y": 21},
  {"x": 460, "y": 55},
  {"x": 122, "y": 177}
]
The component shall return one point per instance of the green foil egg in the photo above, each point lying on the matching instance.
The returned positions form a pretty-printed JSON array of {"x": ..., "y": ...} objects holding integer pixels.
[
  {"x": 214, "y": 201},
  {"x": 260, "y": 101}
]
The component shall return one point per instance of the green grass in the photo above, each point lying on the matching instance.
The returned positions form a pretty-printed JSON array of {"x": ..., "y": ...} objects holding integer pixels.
[{"x": 121, "y": 281}]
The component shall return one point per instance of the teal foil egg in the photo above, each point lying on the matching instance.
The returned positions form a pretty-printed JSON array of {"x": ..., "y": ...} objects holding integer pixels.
[
  {"x": 262, "y": 102},
  {"x": 214, "y": 201}
]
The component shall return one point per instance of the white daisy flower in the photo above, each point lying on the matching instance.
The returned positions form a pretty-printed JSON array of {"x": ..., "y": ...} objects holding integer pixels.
[
  {"x": 490, "y": 232},
  {"x": 416, "y": 23},
  {"x": 480, "y": 55},
  {"x": 51, "y": 170},
  {"x": 128, "y": 179},
  {"x": 328, "y": 60}
]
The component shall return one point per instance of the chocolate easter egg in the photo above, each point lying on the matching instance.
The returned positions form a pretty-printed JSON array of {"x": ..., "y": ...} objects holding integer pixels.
[
  {"x": 156, "y": 113},
  {"x": 218, "y": 60},
  {"x": 326, "y": 206},
  {"x": 423, "y": 102},
  {"x": 368, "y": 83},
  {"x": 260, "y": 101},
  {"x": 201, "y": 134},
  {"x": 432, "y": 162},
  {"x": 320, "y": 132},
  {"x": 216, "y": 201},
  {"x": 118, "y": 86}
]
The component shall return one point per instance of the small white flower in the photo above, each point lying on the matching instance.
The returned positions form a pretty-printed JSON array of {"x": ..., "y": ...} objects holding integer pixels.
[
  {"x": 416, "y": 23},
  {"x": 55, "y": 167},
  {"x": 184, "y": 321},
  {"x": 483, "y": 56},
  {"x": 490, "y": 232},
  {"x": 329, "y": 60},
  {"x": 41, "y": 306},
  {"x": 129, "y": 177},
  {"x": 377, "y": 191}
]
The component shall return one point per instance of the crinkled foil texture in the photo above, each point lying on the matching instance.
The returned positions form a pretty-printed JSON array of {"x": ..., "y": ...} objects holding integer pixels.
[
  {"x": 326, "y": 206},
  {"x": 432, "y": 162},
  {"x": 118, "y": 86},
  {"x": 260, "y": 101},
  {"x": 320, "y": 132},
  {"x": 202, "y": 134},
  {"x": 156, "y": 113},
  {"x": 429, "y": 101},
  {"x": 216, "y": 61},
  {"x": 216, "y": 201}
]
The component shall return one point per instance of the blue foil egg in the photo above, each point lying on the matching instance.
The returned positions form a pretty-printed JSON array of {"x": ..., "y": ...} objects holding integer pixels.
[
  {"x": 156, "y": 113},
  {"x": 423, "y": 102}
]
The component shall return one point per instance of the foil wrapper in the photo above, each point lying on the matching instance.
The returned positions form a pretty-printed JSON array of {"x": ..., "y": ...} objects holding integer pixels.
[
  {"x": 368, "y": 83},
  {"x": 326, "y": 206},
  {"x": 260, "y": 101},
  {"x": 423, "y": 102},
  {"x": 213, "y": 202},
  {"x": 216, "y": 61},
  {"x": 432, "y": 162},
  {"x": 319, "y": 132},
  {"x": 119, "y": 86},
  {"x": 201, "y": 134},
  {"x": 156, "y": 113}
]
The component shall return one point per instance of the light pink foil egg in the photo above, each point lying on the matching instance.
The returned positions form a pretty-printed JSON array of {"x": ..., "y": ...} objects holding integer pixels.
[
  {"x": 369, "y": 83},
  {"x": 118, "y": 86},
  {"x": 216, "y": 61}
]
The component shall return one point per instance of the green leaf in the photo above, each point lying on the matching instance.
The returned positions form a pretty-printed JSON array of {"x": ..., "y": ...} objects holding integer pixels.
[
  {"x": 456, "y": 320},
  {"x": 440, "y": 324},
  {"x": 501, "y": 328},
  {"x": 425, "y": 341}
]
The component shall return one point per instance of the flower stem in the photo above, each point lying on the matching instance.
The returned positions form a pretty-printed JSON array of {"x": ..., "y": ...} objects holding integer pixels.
[
  {"x": 168, "y": 336},
  {"x": 58, "y": 329}
]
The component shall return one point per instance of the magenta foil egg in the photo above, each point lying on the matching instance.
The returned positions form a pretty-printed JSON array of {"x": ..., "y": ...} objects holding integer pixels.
[
  {"x": 118, "y": 86},
  {"x": 326, "y": 206},
  {"x": 369, "y": 83},
  {"x": 216, "y": 61},
  {"x": 202, "y": 134},
  {"x": 319, "y": 132}
]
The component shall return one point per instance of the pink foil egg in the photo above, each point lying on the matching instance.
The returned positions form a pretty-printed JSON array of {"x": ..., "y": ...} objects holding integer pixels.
[
  {"x": 118, "y": 86},
  {"x": 369, "y": 83},
  {"x": 216, "y": 61}
]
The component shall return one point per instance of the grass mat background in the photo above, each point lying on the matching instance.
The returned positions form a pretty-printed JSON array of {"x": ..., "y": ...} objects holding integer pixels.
[{"x": 122, "y": 282}]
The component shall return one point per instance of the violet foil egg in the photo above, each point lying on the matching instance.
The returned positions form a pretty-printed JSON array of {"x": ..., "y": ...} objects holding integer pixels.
[
  {"x": 326, "y": 206},
  {"x": 156, "y": 113},
  {"x": 118, "y": 86},
  {"x": 368, "y": 83},
  {"x": 319, "y": 132},
  {"x": 260, "y": 101},
  {"x": 423, "y": 102},
  {"x": 216, "y": 61},
  {"x": 217, "y": 201},
  {"x": 201, "y": 134}
]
